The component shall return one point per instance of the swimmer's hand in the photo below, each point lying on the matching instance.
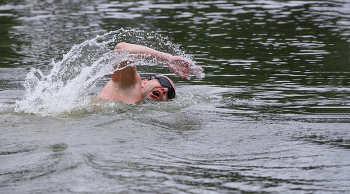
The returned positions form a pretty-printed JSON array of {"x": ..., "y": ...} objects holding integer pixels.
[{"x": 183, "y": 67}]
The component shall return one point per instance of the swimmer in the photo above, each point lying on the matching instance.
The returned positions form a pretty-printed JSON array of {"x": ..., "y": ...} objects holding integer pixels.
[{"x": 126, "y": 85}]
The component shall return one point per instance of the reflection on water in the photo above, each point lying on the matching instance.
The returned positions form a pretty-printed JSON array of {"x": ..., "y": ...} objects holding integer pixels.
[{"x": 271, "y": 115}]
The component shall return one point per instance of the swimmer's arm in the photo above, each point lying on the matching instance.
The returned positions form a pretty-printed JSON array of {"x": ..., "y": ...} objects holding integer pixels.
[
  {"x": 127, "y": 75},
  {"x": 178, "y": 65},
  {"x": 142, "y": 52}
]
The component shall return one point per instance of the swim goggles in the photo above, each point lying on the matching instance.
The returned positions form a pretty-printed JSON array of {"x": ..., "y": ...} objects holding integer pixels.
[{"x": 164, "y": 82}]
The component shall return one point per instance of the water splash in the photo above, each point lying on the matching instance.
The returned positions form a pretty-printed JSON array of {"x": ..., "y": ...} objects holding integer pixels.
[{"x": 66, "y": 88}]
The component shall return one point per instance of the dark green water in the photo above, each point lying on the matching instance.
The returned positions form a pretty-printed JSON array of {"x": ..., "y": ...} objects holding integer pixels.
[{"x": 272, "y": 113}]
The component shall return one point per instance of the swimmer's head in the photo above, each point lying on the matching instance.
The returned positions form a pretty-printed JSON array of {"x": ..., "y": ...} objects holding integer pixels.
[{"x": 158, "y": 87}]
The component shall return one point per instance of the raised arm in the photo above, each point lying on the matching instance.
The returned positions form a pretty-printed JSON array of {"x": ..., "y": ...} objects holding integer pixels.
[
  {"x": 141, "y": 52},
  {"x": 178, "y": 65}
]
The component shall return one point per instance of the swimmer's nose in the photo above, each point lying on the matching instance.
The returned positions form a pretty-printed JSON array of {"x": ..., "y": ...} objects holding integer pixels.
[{"x": 164, "y": 92}]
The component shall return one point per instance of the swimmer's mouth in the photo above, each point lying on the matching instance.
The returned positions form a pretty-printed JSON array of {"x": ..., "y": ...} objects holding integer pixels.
[{"x": 156, "y": 93}]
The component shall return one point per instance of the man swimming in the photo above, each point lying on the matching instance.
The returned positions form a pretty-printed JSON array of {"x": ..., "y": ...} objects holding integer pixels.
[{"x": 126, "y": 85}]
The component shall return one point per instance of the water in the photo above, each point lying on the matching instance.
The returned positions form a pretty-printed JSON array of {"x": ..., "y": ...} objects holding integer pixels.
[
  {"x": 70, "y": 81},
  {"x": 271, "y": 114}
]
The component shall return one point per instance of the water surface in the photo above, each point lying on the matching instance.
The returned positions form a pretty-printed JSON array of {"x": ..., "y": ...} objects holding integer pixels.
[{"x": 271, "y": 114}]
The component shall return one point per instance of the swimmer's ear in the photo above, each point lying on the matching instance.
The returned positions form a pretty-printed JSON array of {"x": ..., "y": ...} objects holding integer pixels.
[{"x": 144, "y": 83}]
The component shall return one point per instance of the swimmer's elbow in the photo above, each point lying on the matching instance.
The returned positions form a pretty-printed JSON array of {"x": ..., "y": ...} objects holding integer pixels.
[{"x": 121, "y": 46}]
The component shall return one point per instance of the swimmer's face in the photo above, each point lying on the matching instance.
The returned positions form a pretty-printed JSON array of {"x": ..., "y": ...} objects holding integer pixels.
[{"x": 158, "y": 88}]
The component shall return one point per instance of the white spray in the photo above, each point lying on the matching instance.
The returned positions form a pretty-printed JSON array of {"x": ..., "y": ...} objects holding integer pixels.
[{"x": 67, "y": 86}]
